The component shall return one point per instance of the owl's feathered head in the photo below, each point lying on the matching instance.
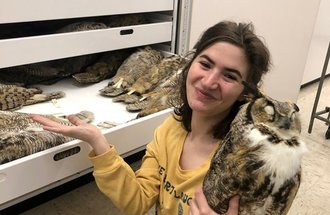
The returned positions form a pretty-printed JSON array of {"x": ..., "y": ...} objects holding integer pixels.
[{"x": 268, "y": 111}]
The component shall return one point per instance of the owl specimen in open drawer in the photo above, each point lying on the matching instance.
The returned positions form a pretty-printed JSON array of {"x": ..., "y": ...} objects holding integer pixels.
[
  {"x": 157, "y": 73},
  {"x": 135, "y": 66},
  {"x": 13, "y": 97},
  {"x": 259, "y": 159},
  {"x": 81, "y": 26},
  {"x": 124, "y": 20},
  {"x": 164, "y": 96},
  {"x": 21, "y": 136},
  {"x": 36, "y": 73},
  {"x": 153, "y": 78},
  {"x": 104, "y": 68}
]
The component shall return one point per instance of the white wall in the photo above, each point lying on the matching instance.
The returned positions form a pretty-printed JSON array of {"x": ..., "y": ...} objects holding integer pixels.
[
  {"x": 286, "y": 25},
  {"x": 319, "y": 44}
]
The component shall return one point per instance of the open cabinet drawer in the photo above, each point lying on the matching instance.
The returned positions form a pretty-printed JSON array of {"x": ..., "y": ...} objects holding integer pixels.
[
  {"x": 34, "y": 173},
  {"x": 27, "y": 176}
]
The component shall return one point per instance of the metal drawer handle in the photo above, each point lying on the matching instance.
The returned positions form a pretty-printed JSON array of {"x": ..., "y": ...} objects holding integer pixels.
[
  {"x": 66, "y": 153},
  {"x": 127, "y": 31}
]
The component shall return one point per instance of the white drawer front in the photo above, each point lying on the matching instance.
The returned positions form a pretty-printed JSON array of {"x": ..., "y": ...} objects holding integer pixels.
[
  {"x": 33, "y": 10},
  {"x": 33, "y": 49}
]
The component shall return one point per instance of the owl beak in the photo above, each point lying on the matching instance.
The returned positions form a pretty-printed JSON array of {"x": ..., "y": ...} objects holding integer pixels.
[{"x": 285, "y": 123}]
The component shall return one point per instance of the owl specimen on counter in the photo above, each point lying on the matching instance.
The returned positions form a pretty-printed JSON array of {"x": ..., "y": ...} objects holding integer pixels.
[
  {"x": 21, "y": 136},
  {"x": 259, "y": 159},
  {"x": 136, "y": 65},
  {"x": 13, "y": 97}
]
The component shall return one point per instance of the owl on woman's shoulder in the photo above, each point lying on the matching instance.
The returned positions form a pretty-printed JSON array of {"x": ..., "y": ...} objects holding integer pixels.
[{"x": 259, "y": 160}]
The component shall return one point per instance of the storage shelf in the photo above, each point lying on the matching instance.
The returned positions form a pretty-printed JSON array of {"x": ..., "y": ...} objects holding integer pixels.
[{"x": 35, "y": 173}]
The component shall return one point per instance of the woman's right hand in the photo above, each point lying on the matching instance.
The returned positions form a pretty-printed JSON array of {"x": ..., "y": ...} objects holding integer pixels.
[
  {"x": 80, "y": 130},
  {"x": 199, "y": 205}
]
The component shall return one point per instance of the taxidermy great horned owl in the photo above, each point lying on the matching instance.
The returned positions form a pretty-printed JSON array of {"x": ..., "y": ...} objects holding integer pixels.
[{"x": 259, "y": 159}]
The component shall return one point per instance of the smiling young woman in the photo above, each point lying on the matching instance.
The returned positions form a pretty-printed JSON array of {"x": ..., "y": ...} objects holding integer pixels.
[{"x": 177, "y": 159}]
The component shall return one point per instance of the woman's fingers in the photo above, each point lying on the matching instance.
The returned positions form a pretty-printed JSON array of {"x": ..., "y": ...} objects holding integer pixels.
[
  {"x": 201, "y": 200},
  {"x": 75, "y": 120},
  {"x": 43, "y": 120},
  {"x": 51, "y": 125},
  {"x": 47, "y": 124},
  {"x": 193, "y": 207},
  {"x": 199, "y": 205},
  {"x": 233, "y": 205}
]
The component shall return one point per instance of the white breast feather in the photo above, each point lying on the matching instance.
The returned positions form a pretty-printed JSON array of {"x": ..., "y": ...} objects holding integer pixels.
[{"x": 279, "y": 158}]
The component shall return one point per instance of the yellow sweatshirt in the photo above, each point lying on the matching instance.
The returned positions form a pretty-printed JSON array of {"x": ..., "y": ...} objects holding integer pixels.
[{"x": 160, "y": 180}]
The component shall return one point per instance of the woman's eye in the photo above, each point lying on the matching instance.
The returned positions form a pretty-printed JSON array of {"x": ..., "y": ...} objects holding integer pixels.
[
  {"x": 205, "y": 65},
  {"x": 230, "y": 76}
]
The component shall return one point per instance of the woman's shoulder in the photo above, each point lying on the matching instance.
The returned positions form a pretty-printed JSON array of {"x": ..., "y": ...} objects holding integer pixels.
[
  {"x": 171, "y": 126},
  {"x": 172, "y": 121},
  {"x": 170, "y": 133}
]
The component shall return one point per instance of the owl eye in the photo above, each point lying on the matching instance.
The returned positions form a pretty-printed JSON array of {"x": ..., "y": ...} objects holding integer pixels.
[{"x": 269, "y": 110}]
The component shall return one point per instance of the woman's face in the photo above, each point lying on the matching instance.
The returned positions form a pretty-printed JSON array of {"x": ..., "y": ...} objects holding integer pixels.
[{"x": 214, "y": 79}]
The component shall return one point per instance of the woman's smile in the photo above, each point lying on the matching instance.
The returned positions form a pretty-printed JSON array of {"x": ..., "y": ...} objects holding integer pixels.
[{"x": 204, "y": 95}]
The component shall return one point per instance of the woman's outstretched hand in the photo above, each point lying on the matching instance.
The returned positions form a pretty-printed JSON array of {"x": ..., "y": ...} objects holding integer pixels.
[
  {"x": 80, "y": 130},
  {"x": 199, "y": 205}
]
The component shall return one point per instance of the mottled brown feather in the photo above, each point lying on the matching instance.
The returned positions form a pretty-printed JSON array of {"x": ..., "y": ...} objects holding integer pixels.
[{"x": 21, "y": 136}]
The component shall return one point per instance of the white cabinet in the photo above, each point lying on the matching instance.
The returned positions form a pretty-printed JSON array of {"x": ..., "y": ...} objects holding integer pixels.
[{"x": 27, "y": 176}]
